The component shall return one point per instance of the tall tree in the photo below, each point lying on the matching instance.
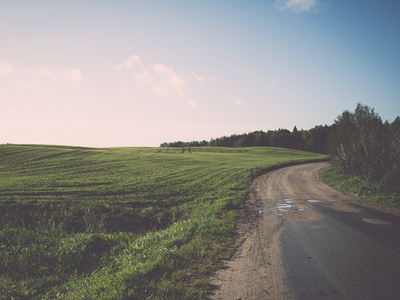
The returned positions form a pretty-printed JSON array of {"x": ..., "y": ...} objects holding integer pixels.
[{"x": 360, "y": 144}]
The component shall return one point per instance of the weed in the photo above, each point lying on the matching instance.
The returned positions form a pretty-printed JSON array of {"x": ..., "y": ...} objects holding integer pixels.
[{"x": 360, "y": 187}]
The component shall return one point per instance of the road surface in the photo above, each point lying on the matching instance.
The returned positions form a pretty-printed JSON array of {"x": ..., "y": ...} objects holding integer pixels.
[{"x": 301, "y": 239}]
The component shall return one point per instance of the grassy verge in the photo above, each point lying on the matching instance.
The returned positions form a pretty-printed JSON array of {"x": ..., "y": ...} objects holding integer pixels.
[
  {"x": 128, "y": 223},
  {"x": 358, "y": 187}
]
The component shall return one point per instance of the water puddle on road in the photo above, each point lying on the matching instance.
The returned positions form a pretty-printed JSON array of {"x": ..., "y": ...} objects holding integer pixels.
[
  {"x": 287, "y": 206},
  {"x": 284, "y": 207},
  {"x": 314, "y": 201},
  {"x": 261, "y": 211},
  {"x": 276, "y": 214}
]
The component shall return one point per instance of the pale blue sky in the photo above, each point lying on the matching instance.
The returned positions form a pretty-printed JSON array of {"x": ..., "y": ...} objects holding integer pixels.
[{"x": 139, "y": 73}]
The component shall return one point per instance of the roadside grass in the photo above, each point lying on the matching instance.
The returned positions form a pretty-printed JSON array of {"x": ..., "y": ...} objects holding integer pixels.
[
  {"x": 359, "y": 187},
  {"x": 121, "y": 223}
]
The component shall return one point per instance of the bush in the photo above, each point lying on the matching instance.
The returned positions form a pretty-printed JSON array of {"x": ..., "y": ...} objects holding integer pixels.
[{"x": 390, "y": 182}]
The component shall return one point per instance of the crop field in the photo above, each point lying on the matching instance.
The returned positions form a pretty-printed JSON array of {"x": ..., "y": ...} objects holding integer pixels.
[{"x": 121, "y": 223}]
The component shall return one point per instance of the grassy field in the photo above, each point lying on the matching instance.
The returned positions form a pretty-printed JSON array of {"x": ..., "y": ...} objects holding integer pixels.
[{"x": 121, "y": 223}]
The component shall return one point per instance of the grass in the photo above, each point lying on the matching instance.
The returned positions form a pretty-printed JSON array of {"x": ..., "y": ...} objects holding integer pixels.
[
  {"x": 359, "y": 187},
  {"x": 121, "y": 223}
]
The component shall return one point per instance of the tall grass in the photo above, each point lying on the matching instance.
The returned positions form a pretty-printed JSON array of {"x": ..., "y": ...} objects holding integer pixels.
[
  {"x": 360, "y": 187},
  {"x": 121, "y": 223}
]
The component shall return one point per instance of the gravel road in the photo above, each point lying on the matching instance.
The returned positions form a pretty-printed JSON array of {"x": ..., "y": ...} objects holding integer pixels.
[{"x": 300, "y": 239}]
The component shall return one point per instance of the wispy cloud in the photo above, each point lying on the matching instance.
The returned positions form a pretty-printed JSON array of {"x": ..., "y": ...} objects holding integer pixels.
[
  {"x": 239, "y": 101},
  {"x": 57, "y": 75},
  {"x": 28, "y": 85},
  {"x": 215, "y": 79},
  {"x": 192, "y": 104},
  {"x": 198, "y": 77},
  {"x": 298, "y": 6},
  {"x": 133, "y": 60},
  {"x": 46, "y": 73},
  {"x": 74, "y": 75},
  {"x": 6, "y": 67},
  {"x": 162, "y": 79},
  {"x": 166, "y": 81},
  {"x": 32, "y": 78}
]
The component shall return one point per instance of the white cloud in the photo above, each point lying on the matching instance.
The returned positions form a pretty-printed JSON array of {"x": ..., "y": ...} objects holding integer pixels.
[
  {"x": 167, "y": 82},
  {"x": 144, "y": 76},
  {"x": 6, "y": 67},
  {"x": 47, "y": 73},
  {"x": 39, "y": 78},
  {"x": 297, "y": 6},
  {"x": 163, "y": 80},
  {"x": 239, "y": 101},
  {"x": 72, "y": 74},
  {"x": 43, "y": 75},
  {"x": 130, "y": 62},
  {"x": 192, "y": 104},
  {"x": 215, "y": 79},
  {"x": 197, "y": 77}
]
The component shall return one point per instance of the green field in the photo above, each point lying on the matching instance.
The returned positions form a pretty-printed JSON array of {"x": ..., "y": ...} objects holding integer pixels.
[{"x": 121, "y": 223}]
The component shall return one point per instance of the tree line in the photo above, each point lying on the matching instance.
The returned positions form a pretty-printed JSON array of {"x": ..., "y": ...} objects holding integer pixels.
[{"x": 314, "y": 140}]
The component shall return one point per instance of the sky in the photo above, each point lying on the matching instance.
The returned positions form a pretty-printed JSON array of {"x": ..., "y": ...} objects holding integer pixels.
[{"x": 117, "y": 73}]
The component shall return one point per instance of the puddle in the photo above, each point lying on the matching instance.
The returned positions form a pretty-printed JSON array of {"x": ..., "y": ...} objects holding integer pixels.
[
  {"x": 260, "y": 211},
  {"x": 314, "y": 201},
  {"x": 287, "y": 207},
  {"x": 276, "y": 214},
  {"x": 284, "y": 206}
]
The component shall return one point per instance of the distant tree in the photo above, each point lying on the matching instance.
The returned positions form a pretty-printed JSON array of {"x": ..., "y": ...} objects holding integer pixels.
[
  {"x": 301, "y": 140},
  {"x": 178, "y": 144},
  {"x": 260, "y": 138},
  {"x": 279, "y": 138},
  {"x": 316, "y": 139},
  {"x": 295, "y": 141}
]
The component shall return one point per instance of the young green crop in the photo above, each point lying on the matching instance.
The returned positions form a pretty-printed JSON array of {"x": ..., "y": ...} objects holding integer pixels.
[{"x": 118, "y": 223}]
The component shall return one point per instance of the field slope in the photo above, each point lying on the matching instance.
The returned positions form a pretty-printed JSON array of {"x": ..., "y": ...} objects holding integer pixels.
[{"x": 121, "y": 223}]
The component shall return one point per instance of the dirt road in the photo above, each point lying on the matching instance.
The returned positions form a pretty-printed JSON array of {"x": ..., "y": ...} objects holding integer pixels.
[{"x": 300, "y": 239}]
